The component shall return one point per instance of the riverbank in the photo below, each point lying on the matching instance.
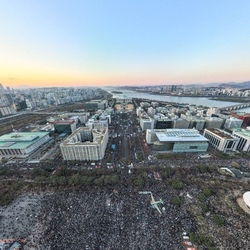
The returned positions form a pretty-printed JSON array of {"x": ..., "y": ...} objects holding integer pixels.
[
  {"x": 231, "y": 99},
  {"x": 215, "y": 98},
  {"x": 203, "y": 101}
]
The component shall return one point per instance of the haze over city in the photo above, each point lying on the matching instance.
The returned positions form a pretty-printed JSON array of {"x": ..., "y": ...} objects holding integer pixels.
[{"x": 98, "y": 43}]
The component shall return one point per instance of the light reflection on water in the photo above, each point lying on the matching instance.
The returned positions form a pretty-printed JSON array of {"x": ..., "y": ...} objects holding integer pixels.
[{"x": 204, "y": 101}]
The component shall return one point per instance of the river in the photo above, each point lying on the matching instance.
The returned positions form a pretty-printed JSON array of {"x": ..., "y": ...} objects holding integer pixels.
[{"x": 204, "y": 101}]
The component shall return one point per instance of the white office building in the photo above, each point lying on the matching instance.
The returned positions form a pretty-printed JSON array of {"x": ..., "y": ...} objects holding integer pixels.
[
  {"x": 221, "y": 140},
  {"x": 244, "y": 139},
  {"x": 7, "y": 110},
  {"x": 85, "y": 144},
  {"x": 146, "y": 122}
]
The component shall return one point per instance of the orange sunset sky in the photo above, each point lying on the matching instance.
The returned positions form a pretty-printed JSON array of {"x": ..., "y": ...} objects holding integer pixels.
[{"x": 100, "y": 43}]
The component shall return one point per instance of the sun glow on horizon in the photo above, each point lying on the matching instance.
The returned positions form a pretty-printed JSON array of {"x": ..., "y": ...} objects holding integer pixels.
[{"x": 95, "y": 43}]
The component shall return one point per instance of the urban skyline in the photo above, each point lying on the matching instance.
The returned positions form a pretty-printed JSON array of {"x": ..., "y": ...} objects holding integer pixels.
[{"x": 96, "y": 43}]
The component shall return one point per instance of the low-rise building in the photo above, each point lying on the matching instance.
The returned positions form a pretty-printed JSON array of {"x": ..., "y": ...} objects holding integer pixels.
[
  {"x": 123, "y": 99},
  {"x": 245, "y": 117},
  {"x": 233, "y": 123},
  {"x": 96, "y": 104},
  {"x": 22, "y": 144},
  {"x": 214, "y": 122},
  {"x": 124, "y": 106},
  {"x": 177, "y": 140}
]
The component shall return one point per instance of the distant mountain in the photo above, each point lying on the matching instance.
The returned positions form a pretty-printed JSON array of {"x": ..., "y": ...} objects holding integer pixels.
[
  {"x": 235, "y": 85},
  {"x": 241, "y": 85},
  {"x": 221, "y": 85},
  {"x": 23, "y": 87}
]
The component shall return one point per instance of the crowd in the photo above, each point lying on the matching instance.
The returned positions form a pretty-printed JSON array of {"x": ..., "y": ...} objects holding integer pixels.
[
  {"x": 124, "y": 219},
  {"x": 18, "y": 218},
  {"x": 109, "y": 219},
  {"x": 120, "y": 218}
]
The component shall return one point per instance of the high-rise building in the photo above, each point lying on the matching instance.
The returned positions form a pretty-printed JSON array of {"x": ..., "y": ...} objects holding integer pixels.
[
  {"x": 146, "y": 122},
  {"x": 85, "y": 144},
  {"x": 7, "y": 110},
  {"x": 2, "y": 90},
  {"x": 173, "y": 88}
]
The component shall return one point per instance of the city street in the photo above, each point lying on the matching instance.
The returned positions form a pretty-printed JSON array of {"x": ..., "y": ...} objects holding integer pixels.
[{"x": 127, "y": 139}]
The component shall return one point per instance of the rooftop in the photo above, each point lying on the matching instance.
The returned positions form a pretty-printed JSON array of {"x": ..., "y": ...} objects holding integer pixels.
[
  {"x": 233, "y": 171},
  {"x": 19, "y": 140},
  {"x": 213, "y": 118},
  {"x": 64, "y": 122},
  {"x": 98, "y": 135},
  {"x": 220, "y": 133},
  {"x": 246, "y": 198},
  {"x": 243, "y": 132},
  {"x": 179, "y": 135},
  {"x": 97, "y": 101}
]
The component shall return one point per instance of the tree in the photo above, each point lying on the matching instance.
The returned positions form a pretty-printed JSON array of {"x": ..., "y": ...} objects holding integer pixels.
[
  {"x": 139, "y": 182},
  {"x": 176, "y": 201},
  {"x": 177, "y": 184},
  {"x": 218, "y": 220},
  {"x": 99, "y": 181},
  {"x": 207, "y": 191},
  {"x": 204, "y": 207}
]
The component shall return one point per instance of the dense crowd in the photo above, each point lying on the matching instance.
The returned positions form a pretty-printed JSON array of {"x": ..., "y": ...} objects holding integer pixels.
[
  {"x": 109, "y": 219},
  {"x": 119, "y": 218}
]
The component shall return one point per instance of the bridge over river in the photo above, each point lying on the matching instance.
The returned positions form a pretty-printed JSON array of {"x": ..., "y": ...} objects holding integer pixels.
[{"x": 236, "y": 106}]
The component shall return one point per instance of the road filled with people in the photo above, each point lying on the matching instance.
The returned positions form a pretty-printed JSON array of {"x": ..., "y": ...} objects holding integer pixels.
[
  {"x": 109, "y": 219},
  {"x": 73, "y": 212}
]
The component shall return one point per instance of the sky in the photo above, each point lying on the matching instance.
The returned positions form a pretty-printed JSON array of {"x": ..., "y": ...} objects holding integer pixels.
[{"x": 112, "y": 43}]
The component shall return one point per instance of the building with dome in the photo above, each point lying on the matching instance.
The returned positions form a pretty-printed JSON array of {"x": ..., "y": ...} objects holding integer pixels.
[
  {"x": 22, "y": 144},
  {"x": 246, "y": 199}
]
